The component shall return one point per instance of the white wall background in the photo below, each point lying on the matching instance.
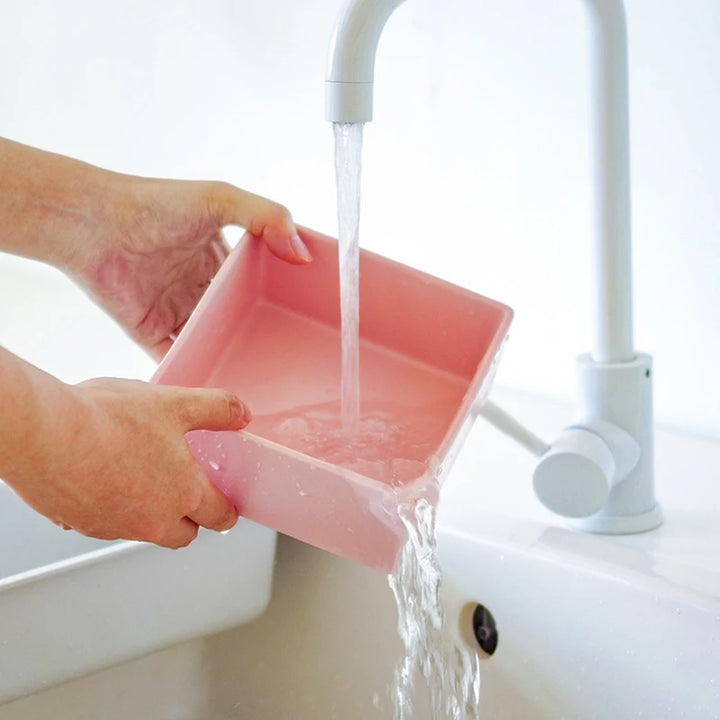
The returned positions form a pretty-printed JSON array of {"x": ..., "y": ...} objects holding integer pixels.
[{"x": 475, "y": 169}]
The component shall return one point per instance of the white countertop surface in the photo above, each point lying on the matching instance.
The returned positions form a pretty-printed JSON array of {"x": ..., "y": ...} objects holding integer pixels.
[{"x": 490, "y": 489}]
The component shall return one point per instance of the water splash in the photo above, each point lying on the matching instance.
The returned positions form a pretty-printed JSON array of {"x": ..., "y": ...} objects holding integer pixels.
[
  {"x": 451, "y": 674},
  {"x": 348, "y": 162}
]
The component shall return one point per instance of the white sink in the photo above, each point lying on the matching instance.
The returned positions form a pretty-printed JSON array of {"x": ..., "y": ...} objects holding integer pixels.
[
  {"x": 582, "y": 635},
  {"x": 590, "y": 627},
  {"x": 70, "y": 604}
]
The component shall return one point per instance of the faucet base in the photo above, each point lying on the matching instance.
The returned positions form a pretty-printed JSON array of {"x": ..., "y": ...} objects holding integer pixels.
[
  {"x": 599, "y": 473},
  {"x": 621, "y": 394},
  {"x": 602, "y": 524}
]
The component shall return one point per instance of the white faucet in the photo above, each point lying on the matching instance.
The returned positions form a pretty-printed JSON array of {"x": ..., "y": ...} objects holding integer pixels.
[{"x": 599, "y": 472}]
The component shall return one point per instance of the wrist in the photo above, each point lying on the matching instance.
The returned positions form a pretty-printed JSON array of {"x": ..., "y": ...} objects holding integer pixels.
[
  {"x": 52, "y": 208},
  {"x": 83, "y": 215},
  {"x": 37, "y": 415}
]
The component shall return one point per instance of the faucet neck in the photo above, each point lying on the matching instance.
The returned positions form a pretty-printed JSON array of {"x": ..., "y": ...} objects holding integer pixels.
[{"x": 613, "y": 313}]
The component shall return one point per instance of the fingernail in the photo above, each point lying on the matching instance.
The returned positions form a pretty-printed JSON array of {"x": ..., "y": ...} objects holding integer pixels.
[
  {"x": 299, "y": 248},
  {"x": 240, "y": 413},
  {"x": 244, "y": 413},
  {"x": 229, "y": 524}
]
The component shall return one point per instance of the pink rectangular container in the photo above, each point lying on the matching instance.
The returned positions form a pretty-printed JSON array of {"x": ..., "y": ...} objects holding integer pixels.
[{"x": 270, "y": 332}]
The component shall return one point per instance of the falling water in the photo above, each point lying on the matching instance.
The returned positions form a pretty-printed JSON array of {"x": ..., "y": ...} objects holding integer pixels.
[
  {"x": 451, "y": 674},
  {"x": 348, "y": 153}
]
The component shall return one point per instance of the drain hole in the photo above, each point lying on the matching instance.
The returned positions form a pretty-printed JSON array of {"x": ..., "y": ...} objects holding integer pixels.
[{"x": 485, "y": 629}]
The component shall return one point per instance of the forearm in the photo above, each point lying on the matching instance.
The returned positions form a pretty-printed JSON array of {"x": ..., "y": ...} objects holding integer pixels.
[
  {"x": 33, "y": 409},
  {"x": 51, "y": 206}
]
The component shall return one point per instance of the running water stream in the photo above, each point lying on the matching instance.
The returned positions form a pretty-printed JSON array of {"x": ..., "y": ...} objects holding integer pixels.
[
  {"x": 450, "y": 674},
  {"x": 348, "y": 154}
]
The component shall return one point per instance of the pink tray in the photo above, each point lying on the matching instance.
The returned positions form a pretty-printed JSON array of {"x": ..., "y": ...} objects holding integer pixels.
[{"x": 269, "y": 331}]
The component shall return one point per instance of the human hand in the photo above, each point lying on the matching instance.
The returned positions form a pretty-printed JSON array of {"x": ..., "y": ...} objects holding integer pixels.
[
  {"x": 109, "y": 460},
  {"x": 163, "y": 245},
  {"x": 144, "y": 249}
]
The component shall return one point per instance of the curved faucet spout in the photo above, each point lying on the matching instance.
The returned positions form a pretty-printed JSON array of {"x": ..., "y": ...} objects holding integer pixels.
[
  {"x": 349, "y": 98},
  {"x": 351, "y": 65}
]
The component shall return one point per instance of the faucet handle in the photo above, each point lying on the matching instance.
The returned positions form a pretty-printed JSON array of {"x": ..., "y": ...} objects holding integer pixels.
[{"x": 575, "y": 475}]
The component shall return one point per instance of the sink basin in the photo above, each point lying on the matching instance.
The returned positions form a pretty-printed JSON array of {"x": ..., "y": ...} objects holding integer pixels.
[
  {"x": 580, "y": 634},
  {"x": 71, "y": 604},
  {"x": 590, "y": 627}
]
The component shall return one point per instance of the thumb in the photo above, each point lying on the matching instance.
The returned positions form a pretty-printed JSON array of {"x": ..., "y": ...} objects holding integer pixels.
[
  {"x": 210, "y": 409},
  {"x": 264, "y": 219}
]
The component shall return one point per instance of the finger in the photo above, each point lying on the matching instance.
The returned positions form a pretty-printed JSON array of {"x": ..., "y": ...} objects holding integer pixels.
[
  {"x": 221, "y": 248},
  {"x": 262, "y": 218},
  {"x": 180, "y": 535},
  {"x": 157, "y": 351},
  {"x": 217, "y": 252},
  {"x": 209, "y": 409},
  {"x": 174, "y": 334},
  {"x": 215, "y": 511},
  {"x": 61, "y": 524}
]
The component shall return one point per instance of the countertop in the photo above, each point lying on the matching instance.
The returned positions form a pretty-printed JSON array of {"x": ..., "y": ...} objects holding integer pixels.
[{"x": 489, "y": 490}]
